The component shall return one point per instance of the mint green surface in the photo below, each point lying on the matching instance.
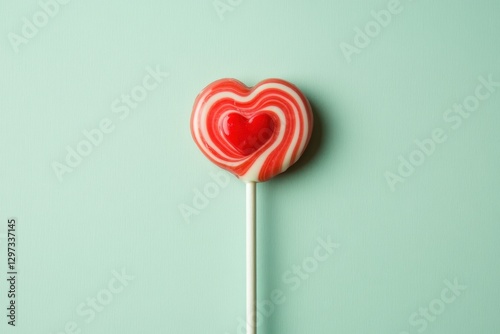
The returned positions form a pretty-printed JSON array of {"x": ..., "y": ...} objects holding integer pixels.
[{"x": 119, "y": 212}]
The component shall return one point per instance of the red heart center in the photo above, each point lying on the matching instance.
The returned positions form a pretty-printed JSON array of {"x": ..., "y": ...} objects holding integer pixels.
[{"x": 247, "y": 135}]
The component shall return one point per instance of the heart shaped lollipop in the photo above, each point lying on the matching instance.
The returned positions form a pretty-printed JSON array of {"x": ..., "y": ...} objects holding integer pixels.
[{"x": 253, "y": 132}]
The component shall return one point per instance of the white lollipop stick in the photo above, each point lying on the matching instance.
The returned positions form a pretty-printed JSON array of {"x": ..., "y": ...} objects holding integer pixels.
[{"x": 251, "y": 260}]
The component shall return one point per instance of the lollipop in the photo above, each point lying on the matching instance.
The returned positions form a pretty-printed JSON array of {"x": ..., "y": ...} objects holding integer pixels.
[{"x": 255, "y": 133}]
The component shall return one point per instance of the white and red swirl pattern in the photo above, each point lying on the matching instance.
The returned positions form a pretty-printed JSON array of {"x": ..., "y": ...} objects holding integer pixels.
[{"x": 253, "y": 132}]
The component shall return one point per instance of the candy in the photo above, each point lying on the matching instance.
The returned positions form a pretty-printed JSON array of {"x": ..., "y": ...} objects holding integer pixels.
[{"x": 253, "y": 132}]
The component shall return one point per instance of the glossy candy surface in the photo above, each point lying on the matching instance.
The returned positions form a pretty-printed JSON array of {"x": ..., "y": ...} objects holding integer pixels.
[{"x": 253, "y": 132}]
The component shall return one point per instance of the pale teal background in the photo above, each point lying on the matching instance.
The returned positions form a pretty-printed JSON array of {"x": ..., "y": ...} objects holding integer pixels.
[{"x": 120, "y": 207}]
